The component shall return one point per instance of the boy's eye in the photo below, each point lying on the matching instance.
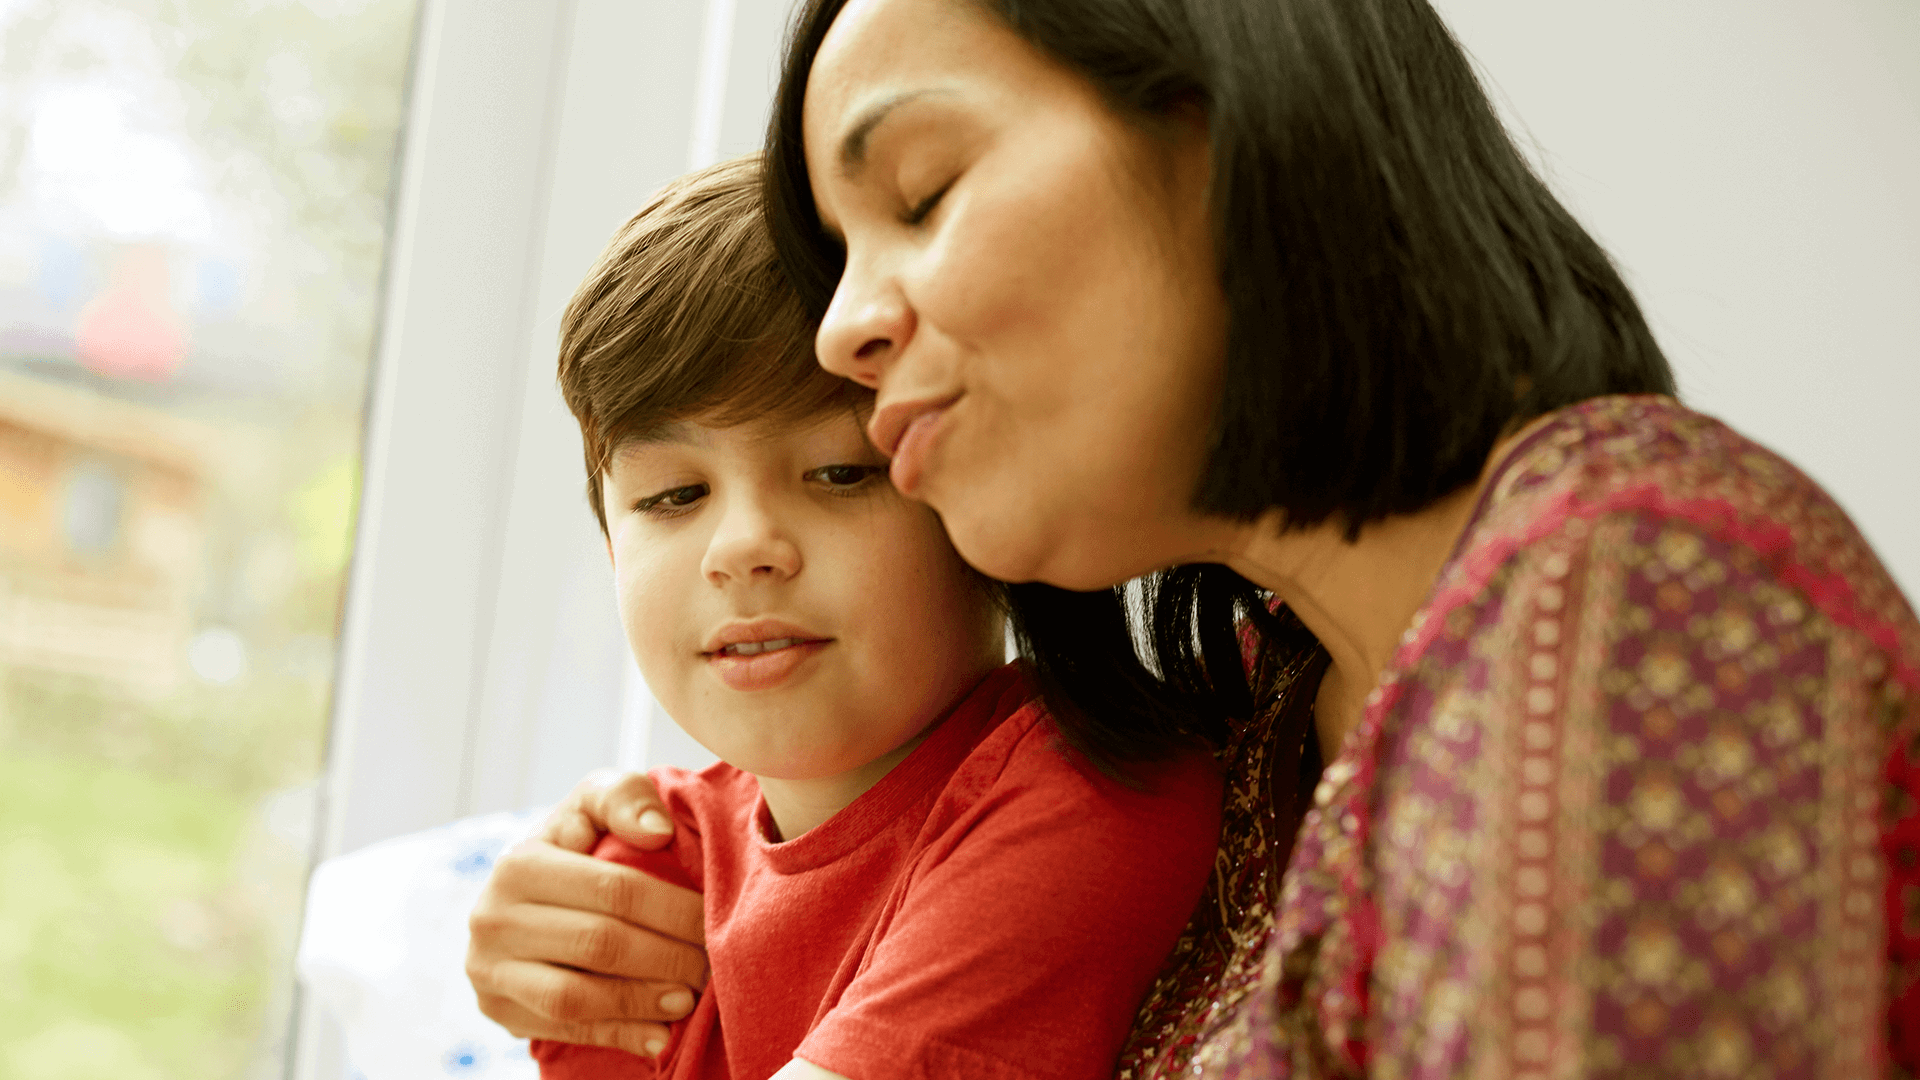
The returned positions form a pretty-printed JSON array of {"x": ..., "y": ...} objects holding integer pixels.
[
  {"x": 845, "y": 476},
  {"x": 671, "y": 499}
]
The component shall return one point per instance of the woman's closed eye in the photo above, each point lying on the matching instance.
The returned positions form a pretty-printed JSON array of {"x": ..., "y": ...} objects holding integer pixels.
[
  {"x": 671, "y": 502},
  {"x": 847, "y": 479},
  {"x": 920, "y": 211}
]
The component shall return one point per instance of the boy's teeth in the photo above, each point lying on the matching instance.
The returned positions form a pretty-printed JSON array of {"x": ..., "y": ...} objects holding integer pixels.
[{"x": 754, "y": 648}]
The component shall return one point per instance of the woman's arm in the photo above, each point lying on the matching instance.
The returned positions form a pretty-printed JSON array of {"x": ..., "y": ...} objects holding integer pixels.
[
  {"x": 805, "y": 1070},
  {"x": 576, "y": 949},
  {"x": 1634, "y": 833}
]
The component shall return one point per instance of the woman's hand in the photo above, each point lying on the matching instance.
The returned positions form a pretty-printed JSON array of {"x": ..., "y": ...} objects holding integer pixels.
[{"x": 576, "y": 949}]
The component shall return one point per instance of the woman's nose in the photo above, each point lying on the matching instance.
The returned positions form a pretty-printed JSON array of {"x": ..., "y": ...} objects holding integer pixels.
[
  {"x": 865, "y": 328},
  {"x": 749, "y": 545}
]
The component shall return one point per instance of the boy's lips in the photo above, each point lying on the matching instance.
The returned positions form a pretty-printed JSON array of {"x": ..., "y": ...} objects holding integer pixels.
[
  {"x": 761, "y": 654},
  {"x": 755, "y": 632},
  {"x": 907, "y": 431},
  {"x": 767, "y": 669}
]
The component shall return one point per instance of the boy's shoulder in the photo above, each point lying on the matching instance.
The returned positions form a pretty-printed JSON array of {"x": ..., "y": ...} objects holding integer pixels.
[
  {"x": 699, "y": 799},
  {"x": 1024, "y": 766},
  {"x": 1035, "y": 906}
]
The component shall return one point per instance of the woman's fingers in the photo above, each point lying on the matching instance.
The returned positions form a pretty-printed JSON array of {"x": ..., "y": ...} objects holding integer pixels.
[
  {"x": 595, "y": 944},
  {"x": 546, "y": 904},
  {"x": 629, "y": 806},
  {"x": 541, "y": 874},
  {"x": 605, "y": 800},
  {"x": 565, "y": 946},
  {"x": 540, "y": 1001},
  {"x": 569, "y": 829}
]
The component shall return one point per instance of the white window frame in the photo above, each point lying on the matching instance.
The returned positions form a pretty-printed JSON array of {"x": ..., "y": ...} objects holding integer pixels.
[{"x": 482, "y": 663}]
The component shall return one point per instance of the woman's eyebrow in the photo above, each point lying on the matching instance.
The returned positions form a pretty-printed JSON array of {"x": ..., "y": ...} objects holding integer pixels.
[{"x": 853, "y": 145}]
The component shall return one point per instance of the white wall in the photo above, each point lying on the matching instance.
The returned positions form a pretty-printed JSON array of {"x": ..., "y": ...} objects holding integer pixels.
[{"x": 1754, "y": 167}]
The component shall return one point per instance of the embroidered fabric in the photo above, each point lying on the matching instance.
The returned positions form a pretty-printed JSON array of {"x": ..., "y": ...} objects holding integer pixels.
[
  {"x": 1271, "y": 763},
  {"x": 1637, "y": 796}
]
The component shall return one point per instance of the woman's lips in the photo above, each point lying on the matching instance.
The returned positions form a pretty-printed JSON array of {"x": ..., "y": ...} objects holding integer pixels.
[
  {"x": 908, "y": 431},
  {"x": 766, "y": 669},
  {"x": 889, "y": 422}
]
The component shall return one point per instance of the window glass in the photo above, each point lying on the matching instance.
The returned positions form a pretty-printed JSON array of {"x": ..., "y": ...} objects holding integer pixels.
[{"x": 193, "y": 208}]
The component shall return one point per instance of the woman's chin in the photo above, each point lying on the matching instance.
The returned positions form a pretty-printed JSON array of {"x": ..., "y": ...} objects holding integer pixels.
[
  {"x": 1022, "y": 555},
  {"x": 1008, "y": 527},
  {"x": 994, "y": 548}
]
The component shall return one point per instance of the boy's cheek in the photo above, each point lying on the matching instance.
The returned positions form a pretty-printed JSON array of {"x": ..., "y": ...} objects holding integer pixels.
[
  {"x": 646, "y": 570},
  {"x": 650, "y": 635},
  {"x": 619, "y": 528},
  {"x": 668, "y": 673},
  {"x": 657, "y": 618}
]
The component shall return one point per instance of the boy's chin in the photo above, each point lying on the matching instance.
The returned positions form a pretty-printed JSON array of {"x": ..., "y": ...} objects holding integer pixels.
[
  {"x": 788, "y": 771},
  {"x": 802, "y": 768}
]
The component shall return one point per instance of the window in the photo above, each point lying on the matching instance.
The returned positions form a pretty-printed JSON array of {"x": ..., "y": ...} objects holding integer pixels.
[{"x": 193, "y": 208}]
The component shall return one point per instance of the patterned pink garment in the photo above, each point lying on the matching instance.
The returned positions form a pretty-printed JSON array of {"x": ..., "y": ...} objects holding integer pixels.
[
  {"x": 1616, "y": 808},
  {"x": 1269, "y": 765}
]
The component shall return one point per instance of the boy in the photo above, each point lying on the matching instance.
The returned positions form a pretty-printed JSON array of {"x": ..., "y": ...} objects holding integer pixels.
[{"x": 904, "y": 874}]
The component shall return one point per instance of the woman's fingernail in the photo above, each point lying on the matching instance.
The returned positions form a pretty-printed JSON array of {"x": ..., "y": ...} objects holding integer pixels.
[
  {"x": 676, "y": 1002},
  {"x": 654, "y": 1046},
  {"x": 654, "y": 821}
]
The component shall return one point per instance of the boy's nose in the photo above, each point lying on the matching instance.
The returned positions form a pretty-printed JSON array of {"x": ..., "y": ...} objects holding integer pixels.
[{"x": 750, "y": 546}]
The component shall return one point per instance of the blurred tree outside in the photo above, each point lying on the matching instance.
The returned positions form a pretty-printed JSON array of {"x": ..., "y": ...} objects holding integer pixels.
[{"x": 193, "y": 208}]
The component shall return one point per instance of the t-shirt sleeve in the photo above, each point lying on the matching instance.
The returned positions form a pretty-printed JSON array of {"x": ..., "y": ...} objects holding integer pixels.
[{"x": 1022, "y": 944}]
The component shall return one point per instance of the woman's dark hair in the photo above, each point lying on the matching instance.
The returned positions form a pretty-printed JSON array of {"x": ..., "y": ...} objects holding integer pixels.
[{"x": 1401, "y": 290}]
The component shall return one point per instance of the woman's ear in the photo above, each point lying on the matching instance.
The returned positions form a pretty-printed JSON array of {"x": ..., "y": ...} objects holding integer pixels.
[
  {"x": 1190, "y": 115},
  {"x": 1186, "y": 128}
]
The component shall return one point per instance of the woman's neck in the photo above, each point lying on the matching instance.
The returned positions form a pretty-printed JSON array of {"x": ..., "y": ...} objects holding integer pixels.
[{"x": 1358, "y": 597}]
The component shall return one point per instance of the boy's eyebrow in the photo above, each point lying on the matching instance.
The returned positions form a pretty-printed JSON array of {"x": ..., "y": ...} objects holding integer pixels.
[{"x": 661, "y": 433}]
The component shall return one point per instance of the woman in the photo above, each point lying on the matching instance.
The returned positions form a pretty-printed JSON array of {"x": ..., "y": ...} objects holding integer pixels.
[{"x": 1260, "y": 290}]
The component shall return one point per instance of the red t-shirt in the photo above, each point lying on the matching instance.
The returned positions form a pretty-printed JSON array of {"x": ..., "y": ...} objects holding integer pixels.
[{"x": 990, "y": 908}]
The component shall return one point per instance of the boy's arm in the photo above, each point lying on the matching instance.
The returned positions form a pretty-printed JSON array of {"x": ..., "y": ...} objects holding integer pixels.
[{"x": 1023, "y": 946}]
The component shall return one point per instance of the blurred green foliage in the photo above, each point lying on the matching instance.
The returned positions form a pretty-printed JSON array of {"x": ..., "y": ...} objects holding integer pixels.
[
  {"x": 148, "y": 896},
  {"x": 133, "y": 954}
]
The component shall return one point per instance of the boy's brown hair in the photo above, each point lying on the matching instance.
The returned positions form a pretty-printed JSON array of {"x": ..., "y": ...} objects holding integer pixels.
[{"x": 688, "y": 313}]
